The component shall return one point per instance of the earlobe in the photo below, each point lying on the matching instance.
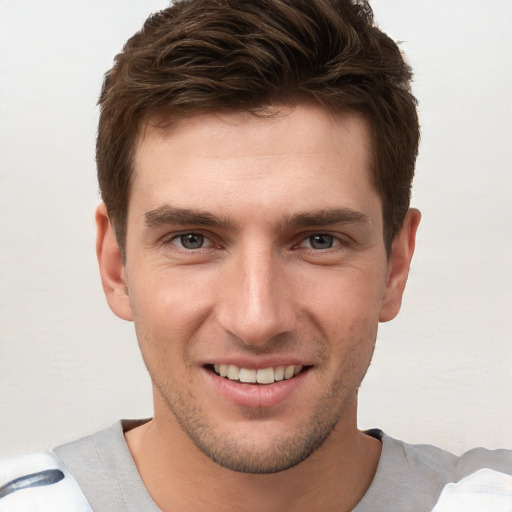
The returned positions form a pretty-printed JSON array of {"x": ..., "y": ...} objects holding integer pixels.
[
  {"x": 112, "y": 269},
  {"x": 398, "y": 267}
]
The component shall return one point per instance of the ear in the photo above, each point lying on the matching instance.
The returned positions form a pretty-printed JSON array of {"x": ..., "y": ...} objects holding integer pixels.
[
  {"x": 112, "y": 269},
  {"x": 398, "y": 266}
]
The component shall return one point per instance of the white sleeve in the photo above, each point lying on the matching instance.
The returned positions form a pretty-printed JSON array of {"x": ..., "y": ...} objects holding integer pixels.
[
  {"x": 483, "y": 491},
  {"x": 39, "y": 483}
]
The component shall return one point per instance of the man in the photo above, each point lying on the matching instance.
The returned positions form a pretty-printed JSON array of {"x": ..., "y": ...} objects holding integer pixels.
[{"x": 255, "y": 161}]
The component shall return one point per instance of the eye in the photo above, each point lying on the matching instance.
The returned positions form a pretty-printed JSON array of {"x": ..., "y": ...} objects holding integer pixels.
[
  {"x": 320, "y": 241},
  {"x": 191, "y": 241}
]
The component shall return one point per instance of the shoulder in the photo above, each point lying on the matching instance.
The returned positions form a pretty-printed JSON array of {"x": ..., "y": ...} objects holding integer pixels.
[
  {"x": 413, "y": 478},
  {"x": 431, "y": 460},
  {"x": 92, "y": 473},
  {"x": 39, "y": 482},
  {"x": 477, "y": 481},
  {"x": 104, "y": 468}
]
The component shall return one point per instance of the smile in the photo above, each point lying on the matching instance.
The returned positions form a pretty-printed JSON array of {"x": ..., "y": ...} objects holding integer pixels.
[{"x": 260, "y": 376}]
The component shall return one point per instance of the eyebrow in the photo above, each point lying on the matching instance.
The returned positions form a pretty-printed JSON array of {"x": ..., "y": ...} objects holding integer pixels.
[
  {"x": 327, "y": 217},
  {"x": 168, "y": 215}
]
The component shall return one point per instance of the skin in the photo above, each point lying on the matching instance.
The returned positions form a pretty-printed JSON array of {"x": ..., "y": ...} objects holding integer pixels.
[{"x": 289, "y": 267}]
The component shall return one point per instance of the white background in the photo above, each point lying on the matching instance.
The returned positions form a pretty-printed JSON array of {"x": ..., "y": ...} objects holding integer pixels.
[{"x": 441, "y": 372}]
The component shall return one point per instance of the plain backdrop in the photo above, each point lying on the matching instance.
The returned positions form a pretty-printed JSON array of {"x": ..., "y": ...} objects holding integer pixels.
[{"x": 442, "y": 370}]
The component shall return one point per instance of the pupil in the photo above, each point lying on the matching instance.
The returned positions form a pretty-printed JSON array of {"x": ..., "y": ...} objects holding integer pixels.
[
  {"x": 192, "y": 241},
  {"x": 321, "y": 241}
]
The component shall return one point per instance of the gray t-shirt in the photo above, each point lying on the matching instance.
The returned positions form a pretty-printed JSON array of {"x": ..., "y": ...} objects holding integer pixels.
[{"x": 409, "y": 478}]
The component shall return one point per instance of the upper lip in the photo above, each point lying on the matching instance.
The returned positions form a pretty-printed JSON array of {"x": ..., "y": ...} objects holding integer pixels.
[{"x": 260, "y": 363}]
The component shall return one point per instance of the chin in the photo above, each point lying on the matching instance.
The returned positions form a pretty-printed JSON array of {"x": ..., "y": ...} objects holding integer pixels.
[{"x": 269, "y": 453}]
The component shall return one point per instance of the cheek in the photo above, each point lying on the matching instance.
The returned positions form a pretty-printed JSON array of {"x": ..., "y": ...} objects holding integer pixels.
[
  {"x": 344, "y": 300},
  {"x": 168, "y": 307}
]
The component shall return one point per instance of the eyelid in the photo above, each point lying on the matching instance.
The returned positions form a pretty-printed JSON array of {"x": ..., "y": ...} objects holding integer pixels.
[
  {"x": 339, "y": 239},
  {"x": 306, "y": 244},
  {"x": 170, "y": 239}
]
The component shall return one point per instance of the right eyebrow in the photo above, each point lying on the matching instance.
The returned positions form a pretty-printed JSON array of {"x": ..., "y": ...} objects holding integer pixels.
[{"x": 168, "y": 215}]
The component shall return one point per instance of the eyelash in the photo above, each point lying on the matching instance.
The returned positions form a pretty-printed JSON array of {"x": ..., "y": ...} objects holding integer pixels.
[
  {"x": 177, "y": 241},
  {"x": 180, "y": 236},
  {"x": 334, "y": 240}
]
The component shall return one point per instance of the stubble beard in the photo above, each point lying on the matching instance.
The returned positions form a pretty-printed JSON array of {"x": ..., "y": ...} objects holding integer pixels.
[{"x": 281, "y": 452}]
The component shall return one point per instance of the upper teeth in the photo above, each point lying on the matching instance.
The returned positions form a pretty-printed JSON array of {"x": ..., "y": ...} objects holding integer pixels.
[{"x": 262, "y": 376}]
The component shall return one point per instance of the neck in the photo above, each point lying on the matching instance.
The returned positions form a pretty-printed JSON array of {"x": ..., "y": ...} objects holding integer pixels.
[{"x": 336, "y": 476}]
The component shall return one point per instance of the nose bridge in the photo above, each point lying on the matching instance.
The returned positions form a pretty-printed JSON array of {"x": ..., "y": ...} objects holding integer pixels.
[{"x": 256, "y": 307}]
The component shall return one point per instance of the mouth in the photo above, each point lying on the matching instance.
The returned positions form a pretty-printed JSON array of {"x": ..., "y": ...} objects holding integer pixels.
[{"x": 268, "y": 375}]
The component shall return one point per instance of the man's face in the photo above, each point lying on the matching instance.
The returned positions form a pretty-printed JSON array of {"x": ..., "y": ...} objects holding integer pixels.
[{"x": 255, "y": 249}]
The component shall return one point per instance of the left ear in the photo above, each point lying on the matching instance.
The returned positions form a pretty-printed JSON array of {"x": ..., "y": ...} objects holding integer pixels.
[{"x": 398, "y": 266}]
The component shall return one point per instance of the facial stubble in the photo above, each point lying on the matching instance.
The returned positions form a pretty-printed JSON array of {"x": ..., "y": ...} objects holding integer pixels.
[{"x": 282, "y": 452}]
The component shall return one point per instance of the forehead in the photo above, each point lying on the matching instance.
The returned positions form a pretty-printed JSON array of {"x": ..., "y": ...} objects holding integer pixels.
[
  {"x": 303, "y": 156},
  {"x": 245, "y": 134}
]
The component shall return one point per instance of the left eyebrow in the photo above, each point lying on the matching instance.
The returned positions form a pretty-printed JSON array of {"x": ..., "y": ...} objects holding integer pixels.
[{"x": 327, "y": 217}]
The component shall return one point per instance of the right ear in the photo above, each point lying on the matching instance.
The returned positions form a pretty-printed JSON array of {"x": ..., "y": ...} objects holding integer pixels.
[{"x": 112, "y": 269}]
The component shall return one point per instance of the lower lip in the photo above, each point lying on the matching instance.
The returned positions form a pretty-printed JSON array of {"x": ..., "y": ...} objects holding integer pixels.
[{"x": 255, "y": 395}]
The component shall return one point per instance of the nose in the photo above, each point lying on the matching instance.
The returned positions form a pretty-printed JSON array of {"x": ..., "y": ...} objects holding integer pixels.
[{"x": 256, "y": 305}]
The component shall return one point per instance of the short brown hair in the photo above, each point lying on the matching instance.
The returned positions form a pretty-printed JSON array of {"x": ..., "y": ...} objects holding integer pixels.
[{"x": 216, "y": 55}]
